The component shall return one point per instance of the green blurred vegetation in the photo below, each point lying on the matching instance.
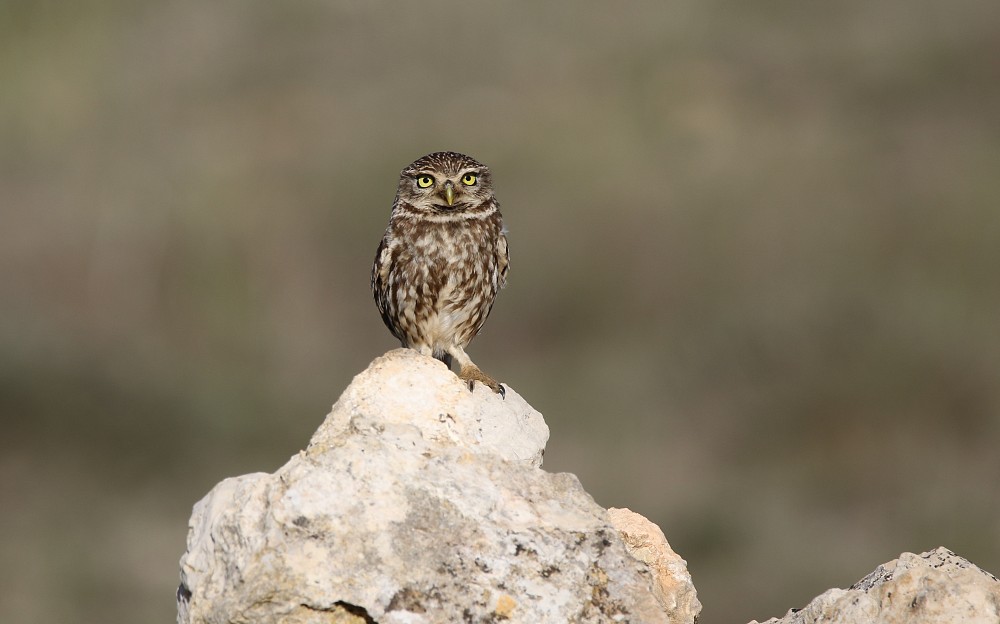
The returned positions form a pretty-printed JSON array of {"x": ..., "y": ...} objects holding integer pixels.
[{"x": 754, "y": 285}]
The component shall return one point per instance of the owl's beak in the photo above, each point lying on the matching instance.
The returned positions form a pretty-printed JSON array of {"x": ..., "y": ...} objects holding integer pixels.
[{"x": 449, "y": 193}]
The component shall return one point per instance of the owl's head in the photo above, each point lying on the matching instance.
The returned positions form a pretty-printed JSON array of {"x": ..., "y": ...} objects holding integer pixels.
[{"x": 445, "y": 182}]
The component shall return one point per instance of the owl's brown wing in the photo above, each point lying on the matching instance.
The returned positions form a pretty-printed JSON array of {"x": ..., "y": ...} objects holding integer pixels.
[
  {"x": 503, "y": 260},
  {"x": 380, "y": 286}
]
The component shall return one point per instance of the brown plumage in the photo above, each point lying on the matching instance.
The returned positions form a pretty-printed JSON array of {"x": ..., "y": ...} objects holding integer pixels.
[{"x": 442, "y": 259}]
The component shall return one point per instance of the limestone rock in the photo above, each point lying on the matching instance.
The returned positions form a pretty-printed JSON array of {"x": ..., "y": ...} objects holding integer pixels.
[
  {"x": 935, "y": 587},
  {"x": 417, "y": 502},
  {"x": 646, "y": 543}
]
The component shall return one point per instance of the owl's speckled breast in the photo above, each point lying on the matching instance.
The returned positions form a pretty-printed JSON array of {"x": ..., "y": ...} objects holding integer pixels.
[{"x": 450, "y": 282}]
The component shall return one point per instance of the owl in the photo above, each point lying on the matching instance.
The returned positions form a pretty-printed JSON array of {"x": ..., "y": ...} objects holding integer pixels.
[{"x": 442, "y": 260}]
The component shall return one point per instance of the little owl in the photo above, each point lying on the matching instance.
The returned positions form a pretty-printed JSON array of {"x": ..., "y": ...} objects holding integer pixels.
[{"x": 442, "y": 260}]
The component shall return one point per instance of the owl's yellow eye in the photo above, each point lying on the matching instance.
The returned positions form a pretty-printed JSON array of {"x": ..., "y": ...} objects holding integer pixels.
[
  {"x": 469, "y": 179},
  {"x": 425, "y": 181}
]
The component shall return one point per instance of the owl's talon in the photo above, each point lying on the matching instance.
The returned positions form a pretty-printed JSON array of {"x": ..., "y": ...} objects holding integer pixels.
[{"x": 471, "y": 374}]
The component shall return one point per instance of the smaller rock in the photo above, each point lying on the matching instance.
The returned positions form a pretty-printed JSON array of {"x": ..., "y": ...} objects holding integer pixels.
[
  {"x": 935, "y": 587},
  {"x": 645, "y": 542}
]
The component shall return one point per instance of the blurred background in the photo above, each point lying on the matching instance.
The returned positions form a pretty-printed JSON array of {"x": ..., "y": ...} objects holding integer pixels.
[{"x": 754, "y": 284}]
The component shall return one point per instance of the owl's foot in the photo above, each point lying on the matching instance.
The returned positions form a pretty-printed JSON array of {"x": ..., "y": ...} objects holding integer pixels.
[{"x": 470, "y": 374}]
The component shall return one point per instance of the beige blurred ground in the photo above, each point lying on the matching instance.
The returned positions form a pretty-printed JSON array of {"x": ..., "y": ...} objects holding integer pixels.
[{"x": 754, "y": 287}]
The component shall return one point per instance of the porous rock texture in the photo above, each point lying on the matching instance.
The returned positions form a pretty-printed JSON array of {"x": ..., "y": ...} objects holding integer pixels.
[
  {"x": 935, "y": 587},
  {"x": 646, "y": 542},
  {"x": 418, "y": 501}
]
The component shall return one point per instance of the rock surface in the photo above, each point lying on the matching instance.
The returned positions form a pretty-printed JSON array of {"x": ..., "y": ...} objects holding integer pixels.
[
  {"x": 646, "y": 542},
  {"x": 935, "y": 587},
  {"x": 418, "y": 502}
]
